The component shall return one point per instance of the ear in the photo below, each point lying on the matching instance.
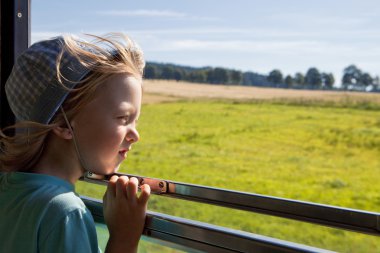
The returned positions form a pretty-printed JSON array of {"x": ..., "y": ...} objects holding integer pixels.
[{"x": 63, "y": 133}]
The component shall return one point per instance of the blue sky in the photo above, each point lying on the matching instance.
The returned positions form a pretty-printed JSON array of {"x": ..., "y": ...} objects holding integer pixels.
[{"x": 248, "y": 35}]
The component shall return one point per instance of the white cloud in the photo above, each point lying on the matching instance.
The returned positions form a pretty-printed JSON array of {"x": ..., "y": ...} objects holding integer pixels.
[
  {"x": 311, "y": 20},
  {"x": 341, "y": 21},
  {"x": 143, "y": 13},
  {"x": 153, "y": 14},
  {"x": 269, "y": 47},
  {"x": 253, "y": 34},
  {"x": 225, "y": 31}
]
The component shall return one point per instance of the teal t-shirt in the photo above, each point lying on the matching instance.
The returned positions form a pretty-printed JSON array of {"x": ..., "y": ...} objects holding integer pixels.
[{"x": 42, "y": 213}]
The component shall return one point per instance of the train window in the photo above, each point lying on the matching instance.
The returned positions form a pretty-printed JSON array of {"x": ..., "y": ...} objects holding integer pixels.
[{"x": 272, "y": 98}]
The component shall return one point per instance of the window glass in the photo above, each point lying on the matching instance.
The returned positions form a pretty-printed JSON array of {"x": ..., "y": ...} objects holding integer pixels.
[{"x": 271, "y": 97}]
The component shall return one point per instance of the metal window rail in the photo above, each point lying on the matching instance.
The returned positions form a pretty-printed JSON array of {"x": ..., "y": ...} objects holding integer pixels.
[
  {"x": 332, "y": 216},
  {"x": 194, "y": 236}
]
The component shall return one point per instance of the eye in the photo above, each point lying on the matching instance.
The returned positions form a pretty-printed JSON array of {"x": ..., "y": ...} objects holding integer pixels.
[{"x": 124, "y": 119}]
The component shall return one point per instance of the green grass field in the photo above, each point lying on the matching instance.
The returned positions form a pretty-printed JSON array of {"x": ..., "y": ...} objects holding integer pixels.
[{"x": 327, "y": 154}]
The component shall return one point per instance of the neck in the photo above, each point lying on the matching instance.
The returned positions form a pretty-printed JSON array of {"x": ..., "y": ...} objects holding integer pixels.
[{"x": 59, "y": 159}]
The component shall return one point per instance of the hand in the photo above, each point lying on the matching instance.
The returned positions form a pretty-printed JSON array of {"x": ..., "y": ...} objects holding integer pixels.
[{"x": 124, "y": 213}]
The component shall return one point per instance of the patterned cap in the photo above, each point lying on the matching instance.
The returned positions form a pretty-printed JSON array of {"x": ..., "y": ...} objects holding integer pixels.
[{"x": 33, "y": 90}]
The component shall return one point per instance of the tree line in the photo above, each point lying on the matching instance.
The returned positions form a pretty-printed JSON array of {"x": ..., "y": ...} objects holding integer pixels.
[{"x": 353, "y": 77}]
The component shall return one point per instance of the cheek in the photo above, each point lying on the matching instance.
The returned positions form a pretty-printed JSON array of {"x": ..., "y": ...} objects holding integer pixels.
[
  {"x": 112, "y": 137},
  {"x": 116, "y": 135},
  {"x": 102, "y": 137}
]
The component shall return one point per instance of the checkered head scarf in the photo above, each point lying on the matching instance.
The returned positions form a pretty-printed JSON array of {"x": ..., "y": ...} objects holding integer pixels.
[{"x": 33, "y": 90}]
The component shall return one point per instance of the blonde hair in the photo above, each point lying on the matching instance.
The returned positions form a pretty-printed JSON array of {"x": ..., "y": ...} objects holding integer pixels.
[{"x": 105, "y": 56}]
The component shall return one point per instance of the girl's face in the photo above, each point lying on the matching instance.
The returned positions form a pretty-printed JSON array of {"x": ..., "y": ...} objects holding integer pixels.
[{"x": 105, "y": 128}]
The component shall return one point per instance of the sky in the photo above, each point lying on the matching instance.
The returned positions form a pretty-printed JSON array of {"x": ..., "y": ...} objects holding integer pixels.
[{"x": 247, "y": 35}]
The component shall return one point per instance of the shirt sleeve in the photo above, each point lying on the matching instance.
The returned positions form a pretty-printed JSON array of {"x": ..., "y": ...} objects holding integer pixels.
[{"x": 73, "y": 233}]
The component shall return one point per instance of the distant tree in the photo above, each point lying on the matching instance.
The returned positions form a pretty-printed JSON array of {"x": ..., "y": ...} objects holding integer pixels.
[
  {"x": 198, "y": 76},
  {"x": 191, "y": 76},
  {"x": 251, "y": 78},
  {"x": 235, "y": 77},
  {"x": 313, "y": 78},
  {"x": 351, "y": 75},
  {"x": 289, "y": 81},
  {"x": 221, "y": 75},
  {"x": 202, "y": 76},
  {"x": 217, "y": 75},
  {"x": 167, "y": 73},
  {"x": 178, "y": 75},
  {"x": 275, "y": 76},
  {"x": 299, "y": 79},
  {"x": 328, "y": 80},
  {"x": 332, "y": 80},
  {"x": 366, "y": 79},
  {"x": 376, "y": 82},
  {"x": 210, "y": 75},
  {"x": 150, "y": 72}
]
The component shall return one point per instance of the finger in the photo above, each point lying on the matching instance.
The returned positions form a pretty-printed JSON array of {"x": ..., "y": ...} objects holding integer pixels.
[
  {"x": 111, "y": 187},
  {"x": 144, "y": 195},
  {"x": 120, "y": 186},
  {"x": 132, "y": 188},
  {"x": 125, "y": 183},
  {"x": 113, "y": 179}
]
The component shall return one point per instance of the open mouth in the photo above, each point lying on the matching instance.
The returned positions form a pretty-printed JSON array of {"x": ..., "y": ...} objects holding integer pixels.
[{"x": 123, "y": 153}]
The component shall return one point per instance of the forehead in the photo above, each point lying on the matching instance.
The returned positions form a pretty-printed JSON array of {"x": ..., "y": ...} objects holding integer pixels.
[{"x": 120, "y": 90}]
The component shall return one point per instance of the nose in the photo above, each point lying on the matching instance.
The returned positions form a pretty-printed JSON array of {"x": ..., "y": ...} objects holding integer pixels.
[{"x": 132, "y": 135}]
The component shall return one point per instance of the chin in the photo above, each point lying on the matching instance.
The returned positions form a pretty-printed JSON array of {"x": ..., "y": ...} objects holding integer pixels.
[
  {"x": 114, "y": 170},
  {"x": 106, "y": 171}
]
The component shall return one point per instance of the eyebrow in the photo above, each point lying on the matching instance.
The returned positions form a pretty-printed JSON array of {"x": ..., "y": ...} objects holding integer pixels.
[
  {"x": 126, "y": 107},
  {"x": 129, "y": 111}
]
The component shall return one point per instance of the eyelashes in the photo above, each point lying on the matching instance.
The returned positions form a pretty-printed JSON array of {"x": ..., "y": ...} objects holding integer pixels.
[
  {"x": 127, "y": 119},
  {"x": 124, "y": 119}
]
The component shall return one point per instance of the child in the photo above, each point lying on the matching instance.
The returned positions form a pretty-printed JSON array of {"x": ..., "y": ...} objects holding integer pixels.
[{"x": 77, "y": 105}]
